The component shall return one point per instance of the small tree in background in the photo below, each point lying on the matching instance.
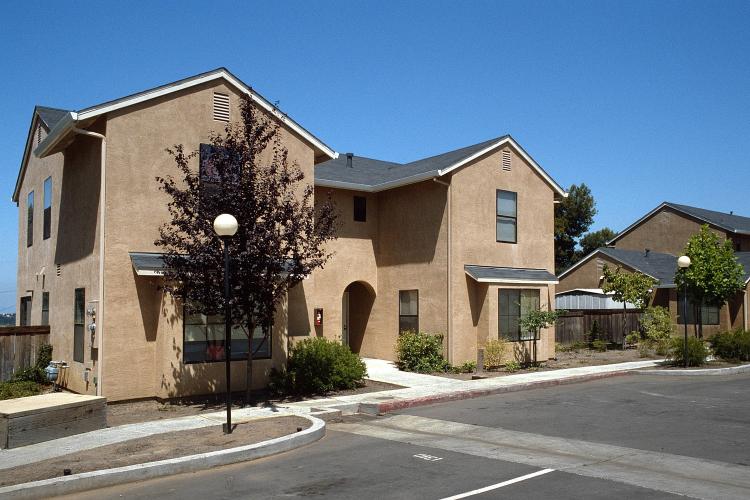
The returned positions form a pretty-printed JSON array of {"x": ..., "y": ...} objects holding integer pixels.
[
  {"x": 596, "y": 239},
  {"x": 627, "y": 287},
  {"x": 714, "y": 275},
  {"x": 537, "y": 319},
  {"x": 573, "y": 216},
  {"x": 281, "y": 236}
]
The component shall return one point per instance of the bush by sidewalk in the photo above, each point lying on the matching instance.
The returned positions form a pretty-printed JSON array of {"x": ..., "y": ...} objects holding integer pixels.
[
  {"x": 732, "y": 346},
  {"x": 420, "y": 352},
  {"x": 318, "y": 366},
  {"x": 697, "y": 351}
]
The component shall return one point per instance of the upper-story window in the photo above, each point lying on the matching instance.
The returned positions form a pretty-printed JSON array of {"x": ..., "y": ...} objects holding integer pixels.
[
  {"x": 360, "y": 209},
  {"x": 47, "y": 225},
  {"x": 506, "y": 216},
  {"x": 30, "y": 219}
]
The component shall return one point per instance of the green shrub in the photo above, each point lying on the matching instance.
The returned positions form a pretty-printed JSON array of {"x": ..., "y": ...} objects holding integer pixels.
[
  {"x": 512, "y": 366},
  {"x": 19, "y": 389},
  {"x": 632, "y": 338},
  {"x": 733, "y": 346},
  {"x": 465, "y": 367},
  {"x": 644, "y": 349},
  {"x": 318, "y": 366},
  {"x": 697, "y": 351},
  {"x": 36, "y": 373},
  {"x": 657, "y": 323},
  {"x": 494, "y": 353},
  {"x": 595, "y": 333},
  {"x": 420, "y": 352},
  {"x": 574, "y": 347},
  {"x": 599, "y": 345}
]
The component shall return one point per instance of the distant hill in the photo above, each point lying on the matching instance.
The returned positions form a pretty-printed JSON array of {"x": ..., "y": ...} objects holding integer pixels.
[{"x": 7, "y": 319}]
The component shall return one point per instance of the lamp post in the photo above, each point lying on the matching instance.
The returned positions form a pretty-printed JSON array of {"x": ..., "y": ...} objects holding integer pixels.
[
  {"x": 225, "y": 226},
  {"x": 684, "y": 262}
]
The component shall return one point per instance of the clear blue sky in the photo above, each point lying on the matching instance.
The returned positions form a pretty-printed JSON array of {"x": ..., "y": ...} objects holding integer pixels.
[{"x": 643, "y": 101}]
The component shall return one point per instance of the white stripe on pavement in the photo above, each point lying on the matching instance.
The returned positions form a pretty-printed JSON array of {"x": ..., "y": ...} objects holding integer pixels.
[{"x": 500, "y": 485}]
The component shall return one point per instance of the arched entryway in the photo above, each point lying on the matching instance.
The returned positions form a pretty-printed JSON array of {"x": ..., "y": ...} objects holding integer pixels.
[{"x": 356, "y": 304}]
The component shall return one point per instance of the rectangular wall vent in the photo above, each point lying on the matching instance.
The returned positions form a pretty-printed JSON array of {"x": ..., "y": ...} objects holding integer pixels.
[
  {"x": 58, "y": 270},
  {"x": 221, "y": 107},
  {"x": 506, "y": 161}
]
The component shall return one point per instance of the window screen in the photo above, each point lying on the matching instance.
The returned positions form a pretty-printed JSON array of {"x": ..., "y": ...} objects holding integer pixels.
[
  {"x": 47, "y": 223},
  {"x": 79, "y": 320},
  {"x": 709, "y": 314},
  {"x": 408, "y": 310},
  {"x": 204, "y": 339},
  {"x": 513, "y": 304},
  {"x": 506, "y": 217},
  {"x": 360, "y": 209},
  {"x": 45, "y": 308}
]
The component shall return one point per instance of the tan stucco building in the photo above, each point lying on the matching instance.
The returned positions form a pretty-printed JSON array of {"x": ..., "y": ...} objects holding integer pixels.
[
  {"x": 459, "y": 244},
  {"x": 652, "y": 244}
]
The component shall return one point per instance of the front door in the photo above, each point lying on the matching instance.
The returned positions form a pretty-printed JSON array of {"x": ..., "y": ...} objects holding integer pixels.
[{"x": 345, "y": 318}]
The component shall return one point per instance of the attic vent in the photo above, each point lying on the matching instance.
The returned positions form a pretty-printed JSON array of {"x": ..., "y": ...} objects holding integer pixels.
[
  {"x": 506, "y": 161},
  {"x": 221, "y": 107},
  {"x": 38, "y": 134},
  {"x": 599, "y": 266},
  {"x": 58, "y": 270}
]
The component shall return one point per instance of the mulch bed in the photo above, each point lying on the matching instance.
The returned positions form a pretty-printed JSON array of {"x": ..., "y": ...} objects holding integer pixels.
[{"x": 156, "y": 447}]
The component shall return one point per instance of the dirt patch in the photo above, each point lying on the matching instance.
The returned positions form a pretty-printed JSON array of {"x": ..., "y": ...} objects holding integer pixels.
[
  {"x": 157, "y": 447},
  {"x": 572, "y": 359},
  {"x": 145, "y": 411}
]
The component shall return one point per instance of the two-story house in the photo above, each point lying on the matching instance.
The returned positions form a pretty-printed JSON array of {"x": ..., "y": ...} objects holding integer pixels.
[
  {"x": 460, "y": 244},
  {"x": 652, "y": 244}
]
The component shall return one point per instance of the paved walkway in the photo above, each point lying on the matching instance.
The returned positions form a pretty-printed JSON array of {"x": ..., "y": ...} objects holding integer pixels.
[{"x": 418, "y": 389}]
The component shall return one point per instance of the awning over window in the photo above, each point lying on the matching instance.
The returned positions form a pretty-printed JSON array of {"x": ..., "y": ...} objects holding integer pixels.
[
  {"x": 490, "y": 274},
  {"x": 147, "y": 263}
]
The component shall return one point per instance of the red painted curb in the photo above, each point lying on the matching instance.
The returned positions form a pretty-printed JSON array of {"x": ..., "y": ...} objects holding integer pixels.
[{"x": 389, "y": 406}]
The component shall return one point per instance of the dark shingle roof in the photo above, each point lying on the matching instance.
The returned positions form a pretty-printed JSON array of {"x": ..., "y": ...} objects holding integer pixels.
[
  {"x": 509, "y": 274},
  {"x": 368, "y": 172},
  {"x": 661, "y": 266},
  {"x": 51, "y": 116},
  {"x": 744, "y": 259},
  {"x": 729, "y": 222}
]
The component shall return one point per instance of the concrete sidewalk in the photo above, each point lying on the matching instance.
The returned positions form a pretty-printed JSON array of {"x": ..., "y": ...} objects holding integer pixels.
[{"x": 428, "y": 389}]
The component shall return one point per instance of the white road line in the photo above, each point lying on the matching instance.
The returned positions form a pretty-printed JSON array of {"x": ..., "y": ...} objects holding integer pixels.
[{"x": 500, "y": 485}]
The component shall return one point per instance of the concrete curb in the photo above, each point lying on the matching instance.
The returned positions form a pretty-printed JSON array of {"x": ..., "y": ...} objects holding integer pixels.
[
  {"x": 380, "y": 407},
  {"x": 110, "y": 477},
  {"x": 687, "y": 373}
]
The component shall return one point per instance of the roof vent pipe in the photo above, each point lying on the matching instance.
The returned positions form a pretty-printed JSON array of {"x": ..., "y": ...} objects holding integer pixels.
[
  {"x": 349, "y": 157},
  {"x": 647, "y": 252}
]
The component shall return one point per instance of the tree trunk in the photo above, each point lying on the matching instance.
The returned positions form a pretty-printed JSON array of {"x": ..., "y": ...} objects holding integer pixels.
[
  {"x": 249, "y": 372},
  {"x": 700, "y": 319}
]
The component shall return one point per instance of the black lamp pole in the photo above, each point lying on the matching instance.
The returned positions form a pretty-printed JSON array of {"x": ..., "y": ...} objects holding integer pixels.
[
  {"x": 227, "y": 335},
  {"x": 684, "y": 315}
]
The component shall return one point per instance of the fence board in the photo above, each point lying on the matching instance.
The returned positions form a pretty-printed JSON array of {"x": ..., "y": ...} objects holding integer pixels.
[
  {"x": 19, "y": 347},
  {"x": 575, "y": 326}
]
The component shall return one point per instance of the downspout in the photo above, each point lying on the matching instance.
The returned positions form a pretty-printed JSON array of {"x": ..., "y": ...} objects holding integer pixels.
[
  {"x": 744, "y": 310},
  {"x": 100, "y": 308},
  {"x": 449, "y": 316}
]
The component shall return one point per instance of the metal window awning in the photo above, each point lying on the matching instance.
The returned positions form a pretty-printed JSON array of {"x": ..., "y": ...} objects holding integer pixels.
[
  {"x": 510, "y": 275},
  {"x": 147, "y": 263}
]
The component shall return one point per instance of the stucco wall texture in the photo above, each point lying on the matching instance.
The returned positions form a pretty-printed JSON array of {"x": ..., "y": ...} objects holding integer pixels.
[{"x": 416, "y": 237}]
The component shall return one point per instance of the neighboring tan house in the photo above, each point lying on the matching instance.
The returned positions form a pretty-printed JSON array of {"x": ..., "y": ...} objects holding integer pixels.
[
  {"x": 459, "y": 244},
  {"x": 651, "y": 246}
]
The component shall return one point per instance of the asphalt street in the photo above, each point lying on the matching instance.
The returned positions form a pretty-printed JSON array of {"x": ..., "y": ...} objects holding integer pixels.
[{"x": 626, "y": 437}]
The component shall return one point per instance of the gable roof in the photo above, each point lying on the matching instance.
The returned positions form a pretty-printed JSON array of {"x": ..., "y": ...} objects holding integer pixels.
[
  {"x": 49, "y": 117},
  {"x": 728, "y": 222},
  {"x": 62, "y": 122},
  {"x": 370, "y": 175},
  {"x": 660, "y": 266}
]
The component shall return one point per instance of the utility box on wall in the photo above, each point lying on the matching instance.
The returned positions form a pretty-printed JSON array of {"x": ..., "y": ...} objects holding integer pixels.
[{"x": 318, "y": 315}]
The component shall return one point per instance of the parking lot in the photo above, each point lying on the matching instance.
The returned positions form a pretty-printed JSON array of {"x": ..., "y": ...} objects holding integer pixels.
[{"x": 624, "y": 437}]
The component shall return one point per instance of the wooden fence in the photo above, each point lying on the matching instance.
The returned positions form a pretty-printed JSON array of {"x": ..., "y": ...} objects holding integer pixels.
[
  {"x": 19, "y": 346},
  {"x": 576, "y": 326}
]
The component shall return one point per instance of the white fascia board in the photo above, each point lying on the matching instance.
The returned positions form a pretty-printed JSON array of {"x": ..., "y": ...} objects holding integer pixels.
[
  {"x": 95, "y": 111},
  {"x": 146, "y": 272},
  {"x": 512, "y": 281},
  {"x": 352, "y": 186},
  {"x": 519, "y": 149}
]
